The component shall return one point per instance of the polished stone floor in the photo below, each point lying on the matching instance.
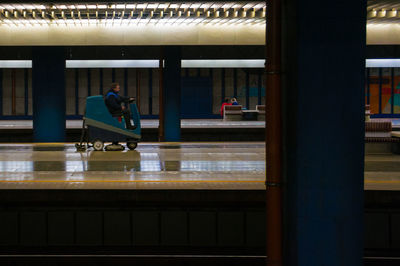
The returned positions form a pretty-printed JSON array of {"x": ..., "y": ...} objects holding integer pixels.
[
  {"x": 382, "y": 171},
  {"x": 150, "y": 166},
  {"x": 212, "y": 165}
]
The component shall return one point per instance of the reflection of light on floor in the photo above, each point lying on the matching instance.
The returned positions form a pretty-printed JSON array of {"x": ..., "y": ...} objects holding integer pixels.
[
  {"x": 76, "y": 166},
  {"x": 78, "y": 155},
  {"x": 16, "y": 178},
  {"x": 173, "y": 165},
  {"x": 16, "y": 166},
  {"x": 150, "y": 166},
  {"x": 148, "y": 155},
  {"x": 221, "y": 165},
  {"x": 188, "y": 166},
  {"x": 75, "y": 177}
]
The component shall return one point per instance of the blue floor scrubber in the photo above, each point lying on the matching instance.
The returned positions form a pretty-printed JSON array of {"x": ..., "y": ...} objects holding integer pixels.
[{"x": 99, "y": 126}]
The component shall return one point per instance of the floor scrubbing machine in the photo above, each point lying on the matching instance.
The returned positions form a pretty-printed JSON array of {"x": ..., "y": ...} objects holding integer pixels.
[{"x": 99, "y": 126}]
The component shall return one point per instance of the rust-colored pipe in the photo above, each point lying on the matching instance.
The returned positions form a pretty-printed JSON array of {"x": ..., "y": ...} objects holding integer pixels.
[
  {"x": 161, "y": 98},
  {"x": 273, "y": 134},
  {"x": 13, "y": 93},
  {"x": 138, "y": 89}
]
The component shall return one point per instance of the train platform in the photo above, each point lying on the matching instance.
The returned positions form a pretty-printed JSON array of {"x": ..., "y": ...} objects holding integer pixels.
[
  {"x": 160, "y": 166},
  {"x": 21, "y": 131},
  {"x": 148, "y": 123}
]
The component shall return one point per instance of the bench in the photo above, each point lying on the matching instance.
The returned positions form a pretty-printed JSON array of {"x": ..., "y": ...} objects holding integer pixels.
[
  {"x": 378, "y": 129},
  {"x": 379, "y": 137},
  {"x": 261, "y": 112},
  {"x": 233, "y": 112}
]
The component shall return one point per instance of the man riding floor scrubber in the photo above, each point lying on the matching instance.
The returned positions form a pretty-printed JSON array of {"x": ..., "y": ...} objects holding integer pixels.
[{"x": 100, "y": 126}]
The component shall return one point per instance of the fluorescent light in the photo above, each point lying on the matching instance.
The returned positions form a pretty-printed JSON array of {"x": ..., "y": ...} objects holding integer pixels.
[
  {"x": 141, "y": 6},
  {"x": 195, "y": 6},
  {"x": 227, "y": 5},
  {"x": 247, "y": 6},
  {"x": 15, "y": 63},
  {"x": 382, "y": 63},
  {"x": 112, "y": 63},
  {"x": 231, "y": 63},
  {"x": 210, "y": 63},
  {"x": 152, "y": 6},
  {"x": 234, "y": 63}
]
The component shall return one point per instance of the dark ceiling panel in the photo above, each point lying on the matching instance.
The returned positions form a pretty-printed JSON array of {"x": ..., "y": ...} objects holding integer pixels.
[
  {"x": 383, "y": 51},
  {"x": 141, "y": 52}
]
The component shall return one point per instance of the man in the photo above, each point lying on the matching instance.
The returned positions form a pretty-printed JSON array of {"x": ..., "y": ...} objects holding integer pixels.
[
  {"x": 114, "y": 104},
  {"x": 234, "y": 101},
  {"x": 226, "y": 102}
]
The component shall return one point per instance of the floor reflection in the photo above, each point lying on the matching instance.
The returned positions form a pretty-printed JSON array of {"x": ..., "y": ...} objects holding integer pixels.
[{"x": 191, "y": 165}]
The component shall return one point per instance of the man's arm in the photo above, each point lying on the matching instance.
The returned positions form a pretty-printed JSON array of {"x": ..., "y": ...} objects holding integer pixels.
[{"x": 127, "y": 99}]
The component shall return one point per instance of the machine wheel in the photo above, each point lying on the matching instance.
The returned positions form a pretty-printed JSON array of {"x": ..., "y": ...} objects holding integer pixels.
[
  {"x": 98, "y": 145},
  {"x": 131, "y": 145},
  {"x": 80, "y": 147}
]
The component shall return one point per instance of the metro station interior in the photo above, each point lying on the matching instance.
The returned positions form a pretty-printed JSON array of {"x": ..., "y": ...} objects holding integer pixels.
[{"x": 263, "y": 133}]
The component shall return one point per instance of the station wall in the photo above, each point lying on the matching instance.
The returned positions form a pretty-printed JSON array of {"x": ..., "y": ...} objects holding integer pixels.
[
  {"x": 382, "y": 90},
  {"x": 22, "y": 89},
  {"x": 204, "y": 87}
]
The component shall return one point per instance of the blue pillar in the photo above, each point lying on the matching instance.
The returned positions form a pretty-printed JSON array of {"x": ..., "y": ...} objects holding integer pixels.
[
  {"x": 172, "y": 93},
  {"x": 48, "y": 84},
  {"x": 323, "y": 115}
]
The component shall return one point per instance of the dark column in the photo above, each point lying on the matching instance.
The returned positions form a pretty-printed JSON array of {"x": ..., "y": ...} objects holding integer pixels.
[
  {"x": 172, "y": 93},
  {"x": 323, "y": 116},
  {"x": 48, "y": 83},
  {"x": 1, "y": 92}
]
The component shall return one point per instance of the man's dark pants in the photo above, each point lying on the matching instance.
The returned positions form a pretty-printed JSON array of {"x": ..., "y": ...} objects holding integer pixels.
[{"x": 127, "y": 116}]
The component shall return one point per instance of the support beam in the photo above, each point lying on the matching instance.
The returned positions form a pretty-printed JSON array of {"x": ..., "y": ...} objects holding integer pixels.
[
  {"x": 273, "y": 117},
  {"x": 161, "y": 96},
  {"x": 48, "y": 84},
  {"x": 323, "y": 132},
  {"x": 172, "y": 93},
  {"x": 138, "y": 88},
  {"x": 1, "y": 92}
]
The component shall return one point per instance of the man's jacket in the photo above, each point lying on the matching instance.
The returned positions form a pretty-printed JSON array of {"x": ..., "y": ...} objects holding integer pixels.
[{"x": 113, "y": 101}]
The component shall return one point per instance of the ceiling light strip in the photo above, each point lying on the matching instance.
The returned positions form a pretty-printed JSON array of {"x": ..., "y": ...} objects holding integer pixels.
[
  {"x": 223, "y": 63},
  {"x": 112, "y": 63},
  {"x": 217, "y": 63},
  {"x": 211, "y": 63},
  {"x": 15, "y": 63},
  {"x": 370, "y": 63}
]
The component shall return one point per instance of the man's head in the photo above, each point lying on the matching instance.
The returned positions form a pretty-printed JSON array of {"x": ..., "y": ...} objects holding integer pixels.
[
  {"x": 115, "y": 87},
  {"x": 233, "y": 100},
  {"x": 226, "y": 100}
]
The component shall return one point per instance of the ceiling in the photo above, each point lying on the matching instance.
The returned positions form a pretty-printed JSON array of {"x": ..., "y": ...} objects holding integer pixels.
[
  {"x": 383, "y": 12},
  {"x": 143, "y": 13},
  {"x": 112, "y": 12}
]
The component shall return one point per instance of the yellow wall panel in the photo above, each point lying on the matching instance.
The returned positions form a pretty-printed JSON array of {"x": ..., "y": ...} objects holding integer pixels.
[
  {"x": 133, "y": 35},
  {"x": 381, "y": 34}
]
